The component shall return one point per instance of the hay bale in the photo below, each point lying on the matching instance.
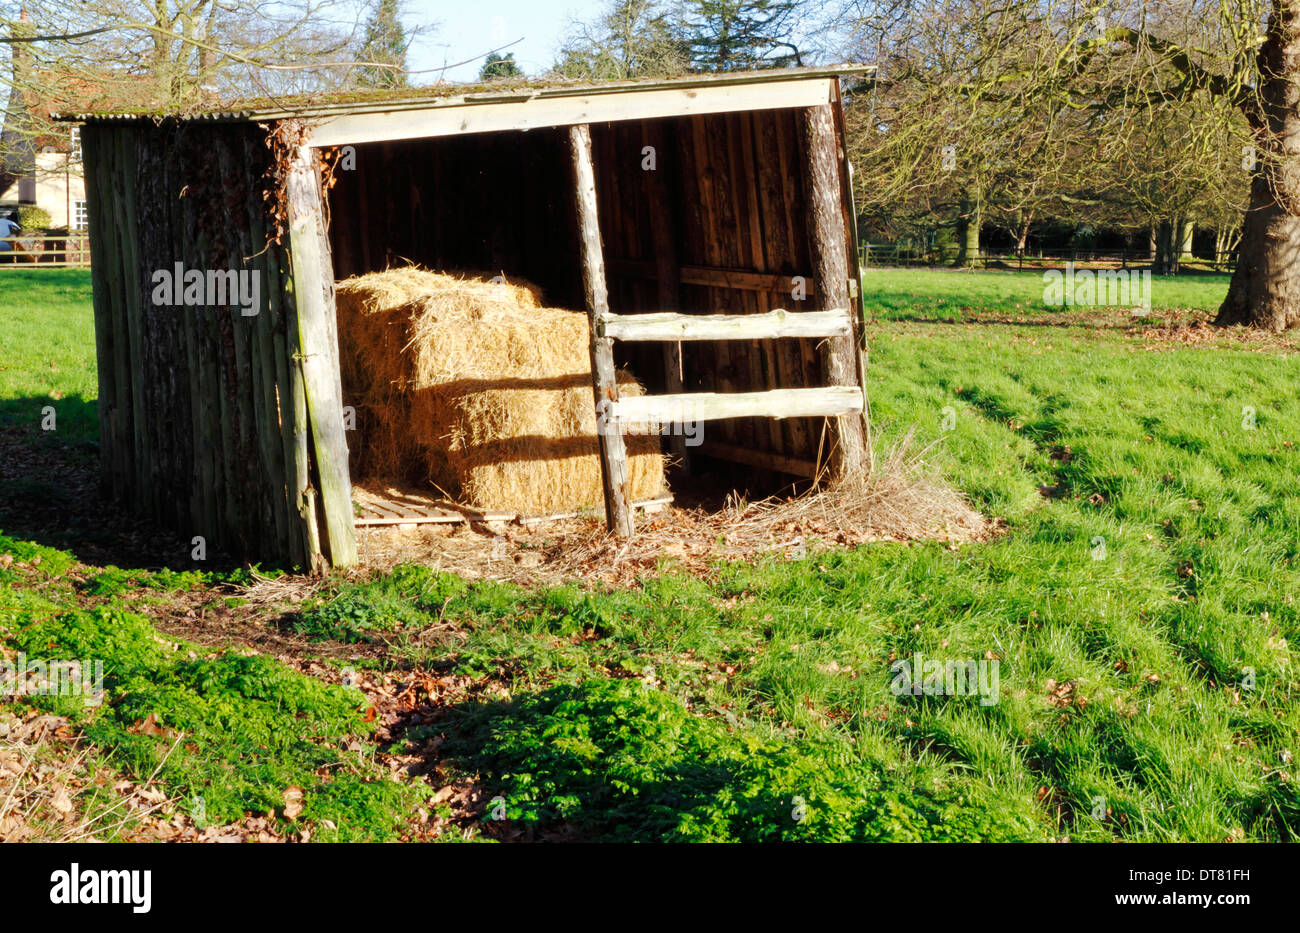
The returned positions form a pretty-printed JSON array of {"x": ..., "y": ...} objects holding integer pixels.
[{"x": 478, "y": 389}]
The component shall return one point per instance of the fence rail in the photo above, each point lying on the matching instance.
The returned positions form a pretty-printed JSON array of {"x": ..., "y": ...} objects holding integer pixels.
[
  {"x": 45, "y": 251},
  {"x": 893, "y": 254}
]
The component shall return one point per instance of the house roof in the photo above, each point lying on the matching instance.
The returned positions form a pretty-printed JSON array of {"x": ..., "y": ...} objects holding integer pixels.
[
  {"x": 34, "y": 97},
  {"x": 319, "y": 106}
]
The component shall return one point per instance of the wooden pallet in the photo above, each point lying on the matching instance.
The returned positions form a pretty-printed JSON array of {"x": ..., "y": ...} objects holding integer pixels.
[{"x": 401, "y": 508}]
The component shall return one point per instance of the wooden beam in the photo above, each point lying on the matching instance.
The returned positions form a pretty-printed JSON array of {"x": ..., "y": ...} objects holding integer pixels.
[
  {"x": 713, "y": 406},
  {"x": 460, "y": 116},
  {"x": 759, "y": 459},
  {"x": 613, "y": 452},
  {"x": 659, "y": 199},
  {"x": 770, "y": 325},
  {"x": 318, "y": 356},
  {"x": 830, "y": 240},
  {"x": 711, "y": 277}
]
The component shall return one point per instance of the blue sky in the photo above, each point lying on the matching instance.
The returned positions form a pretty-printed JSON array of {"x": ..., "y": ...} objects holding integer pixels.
[{"x": 473, "y": 27}]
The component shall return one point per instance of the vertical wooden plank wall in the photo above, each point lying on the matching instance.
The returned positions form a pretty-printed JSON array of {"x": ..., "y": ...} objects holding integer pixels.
[
  {"x": 663, "y": 238},
  {"x": 739, "y": 190},
  {"x": 198, "y": 402},
  {"x": 458, "y": 206}
]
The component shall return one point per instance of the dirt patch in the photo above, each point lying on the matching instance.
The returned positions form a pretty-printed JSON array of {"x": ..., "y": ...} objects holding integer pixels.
[
  {"x": 1159, "y": 330},
  {"x": 50, "y": 494},
  {"x": 253, "y": 617},
  {"x": 1199, "y": 332},
  {"x": 900, "y": 501},
  {"x": 408, "y": 708}
]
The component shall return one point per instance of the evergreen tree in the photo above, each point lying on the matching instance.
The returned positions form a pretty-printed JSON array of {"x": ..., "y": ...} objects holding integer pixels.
[
  {"x": 385, "y": 44},
  {"x": 735, "y": 35},
  {"x": 499, "y": 66}
]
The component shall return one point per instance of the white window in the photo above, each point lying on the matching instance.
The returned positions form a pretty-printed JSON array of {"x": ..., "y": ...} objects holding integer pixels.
[{"x": 80, "y": 217}]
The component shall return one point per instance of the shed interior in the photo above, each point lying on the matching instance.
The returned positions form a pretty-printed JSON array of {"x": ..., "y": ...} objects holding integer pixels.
[{"x": 698, "y": 214}]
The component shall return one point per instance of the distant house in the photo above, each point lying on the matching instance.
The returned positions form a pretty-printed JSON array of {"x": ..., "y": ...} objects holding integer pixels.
[
  {"x": 40, "y": 160},
  {"x": 45, "y": 172}
]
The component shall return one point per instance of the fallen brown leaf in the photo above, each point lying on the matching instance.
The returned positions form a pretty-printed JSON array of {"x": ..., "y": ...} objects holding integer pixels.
[{"x": 292, "y": 803}]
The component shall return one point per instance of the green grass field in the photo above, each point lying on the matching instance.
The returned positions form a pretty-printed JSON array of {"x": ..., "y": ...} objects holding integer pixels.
[
  {"x": 1140, "y": 608},
  {"x": 47, "y": 349},
  {"x": 952, "y": 295}
]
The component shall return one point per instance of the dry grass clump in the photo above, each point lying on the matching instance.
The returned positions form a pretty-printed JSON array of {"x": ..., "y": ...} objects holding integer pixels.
[
  {"x": 49, "y": 792},
  {"x": 475, "y": 387},
  {"x": 900, "y": 498}
]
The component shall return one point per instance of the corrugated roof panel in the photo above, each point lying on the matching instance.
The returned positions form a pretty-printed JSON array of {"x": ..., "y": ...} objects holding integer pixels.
[{"x": 451, "y": 95}]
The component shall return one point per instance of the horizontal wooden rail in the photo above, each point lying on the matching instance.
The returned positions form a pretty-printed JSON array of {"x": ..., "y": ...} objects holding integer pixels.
[
  {"x": 714, "y": 277},
  {"x": 760, "y": 459},
  {"x": 711, "y": 406},
  {"x": 770, "y": 325}
]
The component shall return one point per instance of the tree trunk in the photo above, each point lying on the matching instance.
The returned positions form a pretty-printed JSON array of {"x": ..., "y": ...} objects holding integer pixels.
[
  {"x": 1225, "y": 241},
  {"x": 1167, "y": 252},
  {"x": 969, "y": 233},
  {"x": 1022, "y": 237},
  {"x": 1186, "y": 235},
  {"x": 1265, "y": 289}
]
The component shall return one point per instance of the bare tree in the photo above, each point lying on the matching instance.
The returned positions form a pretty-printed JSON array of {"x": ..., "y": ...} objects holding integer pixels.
[
  {"x": 632, "y": 38},
  {"x": 1156, "y": 100}
]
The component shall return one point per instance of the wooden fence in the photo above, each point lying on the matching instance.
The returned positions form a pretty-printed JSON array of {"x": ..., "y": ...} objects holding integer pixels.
[
  {"x": 893, "y": 254},
  {"x": 69, "y": 251}
]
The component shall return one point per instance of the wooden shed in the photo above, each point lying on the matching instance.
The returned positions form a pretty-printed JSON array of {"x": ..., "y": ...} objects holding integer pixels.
[{"x": 704, "y": 223}]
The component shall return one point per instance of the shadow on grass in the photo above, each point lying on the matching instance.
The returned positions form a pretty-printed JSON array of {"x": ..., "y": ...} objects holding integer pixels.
[
  {"x": 50, "y": 492},
  {"x": 597, "y": 762},
  {"x": 618, "y": 760},
  {"x": 69, "y": 420}
]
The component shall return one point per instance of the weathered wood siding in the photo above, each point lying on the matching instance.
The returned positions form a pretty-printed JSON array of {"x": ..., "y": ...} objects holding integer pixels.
[
  {"x": 201, "y": 407},
  {"x": 211, "y": 424}
]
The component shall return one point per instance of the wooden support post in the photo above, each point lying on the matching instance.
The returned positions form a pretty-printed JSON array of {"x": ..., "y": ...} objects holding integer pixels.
[
  {"x": 613, "y": 452},
  {"x": 831, "y": 277},
  {"x": 855, "y": 270},
  {"x": 668, "y": 271},
  {"x": 318, "y": 359}
]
